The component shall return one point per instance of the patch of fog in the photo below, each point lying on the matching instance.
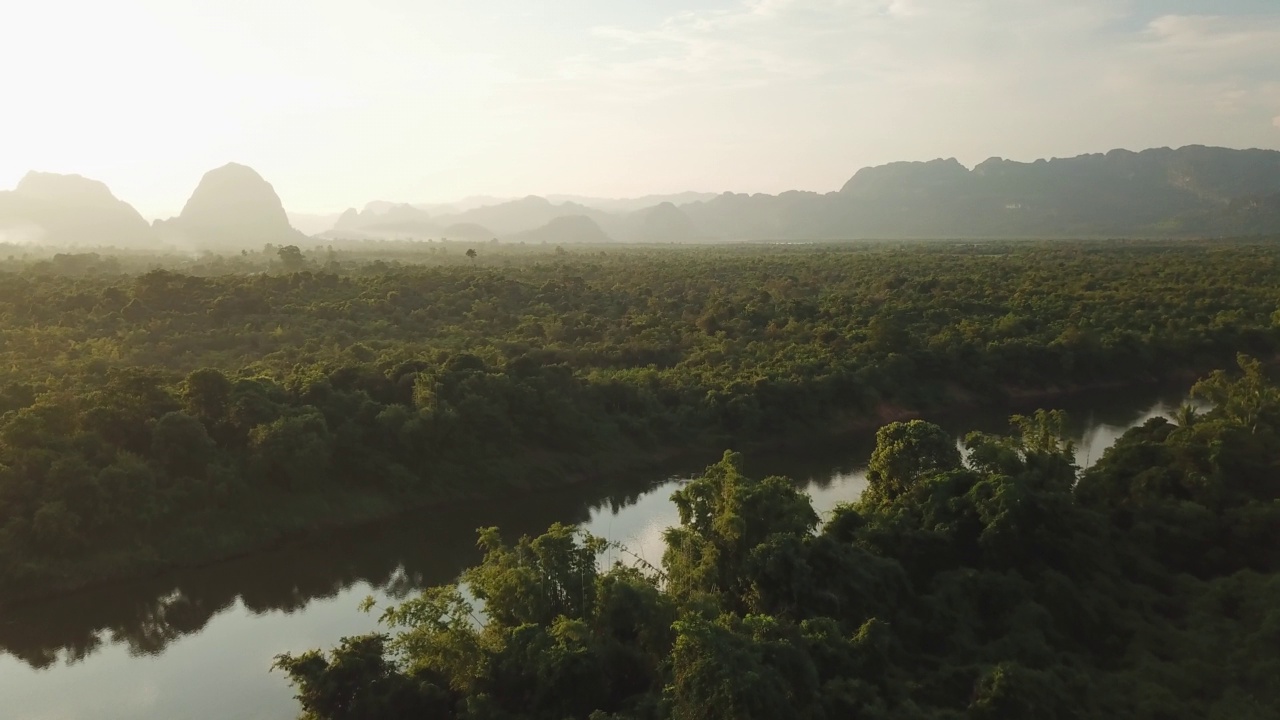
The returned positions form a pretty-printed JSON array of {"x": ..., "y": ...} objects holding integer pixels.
[{"x": 23, "y": 234}]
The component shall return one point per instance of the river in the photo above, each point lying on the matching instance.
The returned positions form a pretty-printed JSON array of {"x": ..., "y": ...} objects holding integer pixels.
[{"x": 198, "y": 643}]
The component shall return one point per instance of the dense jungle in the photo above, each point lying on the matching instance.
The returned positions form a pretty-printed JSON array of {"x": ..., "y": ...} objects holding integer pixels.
[{"x": 161, "y": 411}]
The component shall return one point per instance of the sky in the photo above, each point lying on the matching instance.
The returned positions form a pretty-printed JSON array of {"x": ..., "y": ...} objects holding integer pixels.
[{"x": 340, "y": 103}]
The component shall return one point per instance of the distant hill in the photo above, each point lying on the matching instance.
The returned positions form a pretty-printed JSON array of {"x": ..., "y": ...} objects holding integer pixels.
[
  {"x": 661, "y": 223},
  {"x": 463, "y": 205},
  {"x": 572, "y": 229},
  {"x": 70, "y": 210},
  {"x": 392, "y": 221},
  {"x": 520, "y": 215},
  {"x": 1190, "y": 191},
  {"x": 385, "y": 220},
  {"x": 232, "y": 207},
  {"x": 467, "y": 231},
  {"x": 617, "y": 217},
  {"x": 1193, "y": 190},
  {"x": 628, "y": 205}
]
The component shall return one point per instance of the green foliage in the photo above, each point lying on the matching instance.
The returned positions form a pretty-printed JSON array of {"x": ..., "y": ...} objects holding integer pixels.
[
  {"x": 181, "y": 445},
  {"x": 990, "y": 588},
  {"x": 356, "y": 682},
  {"x": 293, "y": 452},
  {"x": 538, "y": 580},
  {"x": 207, "y": 393},
  {"x": 723, "y": 517},
  {"x": 399, "y": 374},
  {"x": 905, "y": 453},
  {"x": 291, "y": 258}
]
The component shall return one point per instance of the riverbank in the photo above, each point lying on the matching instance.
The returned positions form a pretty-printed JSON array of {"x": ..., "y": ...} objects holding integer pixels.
[{"x": 291, "y": 520}]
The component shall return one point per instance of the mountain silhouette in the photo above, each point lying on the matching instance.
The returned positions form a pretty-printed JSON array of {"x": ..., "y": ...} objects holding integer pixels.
[
  {"x": 661, "y": 223},
  {"x": 70, "y": 210},
  {"x": 1162, "y": 192},
  {"x": 232, "y": 207},
  {"x": 576, "y": 229},
  {"x": 470, "y": 232},
  {"x": 1191, "y": 191},
  {"x": 517, "y": 215},
  {"x": 388, "y": 220}
]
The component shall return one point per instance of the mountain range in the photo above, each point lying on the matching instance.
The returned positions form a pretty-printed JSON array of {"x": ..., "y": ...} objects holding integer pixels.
[
  {"x": 231, "y": 208},
  {"x": 1192, "y": 191}
]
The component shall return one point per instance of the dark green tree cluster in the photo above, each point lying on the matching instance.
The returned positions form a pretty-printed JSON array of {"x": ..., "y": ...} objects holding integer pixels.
[
  {"x": 1004, "y": 584},
  {"x": 139, "y": 472},
  {"x": 166, "y": 416}
]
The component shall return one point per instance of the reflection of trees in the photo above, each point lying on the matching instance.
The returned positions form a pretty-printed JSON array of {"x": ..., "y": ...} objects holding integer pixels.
[
  {"x": 622, "y": 500},
  {"x": 426, "y": 548},
  {"x": 146, "y": 618},
  {"x": 168, "y": 619}
]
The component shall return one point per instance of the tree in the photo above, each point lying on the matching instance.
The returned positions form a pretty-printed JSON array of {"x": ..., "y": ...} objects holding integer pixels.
[
  {"x": 538, "y": 580},
  {"x": 993, "y": 590},
  {"x": 1249, "y": 399},
  {"x": 207, "y": 393},
  {"x": 291, "y": 257},
  {"x": 724, "y": 516},
  {"x": 181, "y": 445},
  {"x": 471, "y": 253},
  {"x": 1186, "y": 415},
  {"x": 358, "y": 682},
  {"x": 723, "y": 672},
  {"x": 906, "y": 452},
  {"x": 56, "y": 528},
  {"x": 292, "y": 452}
]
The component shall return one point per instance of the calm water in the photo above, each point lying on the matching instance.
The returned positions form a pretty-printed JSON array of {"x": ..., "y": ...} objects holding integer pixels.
[{"x": 198, "y": 644}]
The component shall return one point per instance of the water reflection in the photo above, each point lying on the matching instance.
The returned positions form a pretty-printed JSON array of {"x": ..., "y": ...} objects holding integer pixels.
[
  {"x": 160, "y": 641},
  {"x": 834, "y": 472},
  {"x": 397, "y": 558}
]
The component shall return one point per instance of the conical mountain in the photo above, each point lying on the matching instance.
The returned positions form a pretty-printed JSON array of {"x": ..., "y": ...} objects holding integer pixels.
[{"x": 232, "y": 207}]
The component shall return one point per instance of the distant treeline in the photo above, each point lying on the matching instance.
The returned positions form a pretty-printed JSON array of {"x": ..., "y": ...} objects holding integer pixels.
[{"x": 164, "y": 416}]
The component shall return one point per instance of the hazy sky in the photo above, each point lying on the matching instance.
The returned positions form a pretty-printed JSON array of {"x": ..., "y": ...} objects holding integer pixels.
[{"x": 338, "y": 103}]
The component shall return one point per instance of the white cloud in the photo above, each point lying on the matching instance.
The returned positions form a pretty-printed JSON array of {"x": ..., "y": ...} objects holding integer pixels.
[
  {"x": 906, "y": 52},
  {"x": 1215, "y": 32}
]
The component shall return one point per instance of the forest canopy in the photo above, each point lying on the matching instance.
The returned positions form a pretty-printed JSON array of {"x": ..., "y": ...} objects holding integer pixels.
[
  {"x": 165, "y": 410},
  {"x": 1004, "y": 584}
]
